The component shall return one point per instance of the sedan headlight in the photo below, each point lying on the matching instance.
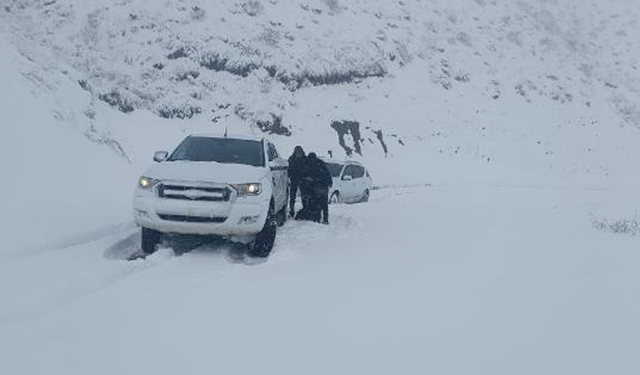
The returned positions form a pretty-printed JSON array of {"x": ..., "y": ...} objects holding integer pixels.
[
  {"x": 245, "y": 190},
  {"x": 147, "y": 183}
]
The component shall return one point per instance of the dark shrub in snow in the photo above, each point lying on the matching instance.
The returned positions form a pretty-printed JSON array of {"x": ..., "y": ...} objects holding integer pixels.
[
  {"x": 213, "y": 61},
  {"x": 297, "y": 80},
  {"x": 178, "y": 54},
  {"x": 115, "y": 99},
  {"x": 186, "y": 111}
]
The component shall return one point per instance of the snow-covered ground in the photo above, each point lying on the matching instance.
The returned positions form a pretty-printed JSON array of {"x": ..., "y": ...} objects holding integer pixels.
[
  {"x": 468, "y": 280},
  {"x": 503, "y": 237}
]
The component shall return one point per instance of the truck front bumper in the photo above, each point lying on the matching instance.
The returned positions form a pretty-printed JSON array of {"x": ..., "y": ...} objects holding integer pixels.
[{"x": 241, "y": 217}]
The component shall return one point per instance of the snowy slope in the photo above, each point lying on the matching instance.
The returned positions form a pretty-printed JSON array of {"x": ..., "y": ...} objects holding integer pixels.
[
  {"x": 62, "y": 174},
  {"x": 546, "y": 83},
  {"x": 503, "y": 239}
]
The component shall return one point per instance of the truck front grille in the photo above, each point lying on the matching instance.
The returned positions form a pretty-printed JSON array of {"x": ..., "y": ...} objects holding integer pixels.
[
  {"x": 194, "y": 193},
  {"x": 192, "y": 219}
]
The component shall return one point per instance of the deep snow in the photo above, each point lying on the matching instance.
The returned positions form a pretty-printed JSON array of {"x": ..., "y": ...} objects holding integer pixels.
[{"x": 443, "y": 290}]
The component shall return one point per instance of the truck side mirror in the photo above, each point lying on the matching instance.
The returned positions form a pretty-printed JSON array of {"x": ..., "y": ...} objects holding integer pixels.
[
  {"x": 274, "y": 166},
  {"x": 160, "y": 156}
]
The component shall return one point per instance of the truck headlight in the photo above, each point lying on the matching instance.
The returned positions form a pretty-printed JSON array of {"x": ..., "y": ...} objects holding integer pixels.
[
  {"x": 245, "y": 190},
  {"x": 147, "y": 183}
]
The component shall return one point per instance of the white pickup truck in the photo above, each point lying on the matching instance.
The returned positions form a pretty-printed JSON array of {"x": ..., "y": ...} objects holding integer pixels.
[{"x": 233, "y": 187}]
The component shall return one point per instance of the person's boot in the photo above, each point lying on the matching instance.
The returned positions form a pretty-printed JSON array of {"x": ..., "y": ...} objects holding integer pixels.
[{"x": 325, "y": 219}]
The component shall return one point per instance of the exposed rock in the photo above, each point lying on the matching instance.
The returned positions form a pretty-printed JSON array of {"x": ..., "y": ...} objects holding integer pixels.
[
  {"x": 274, "y": 126},
  {"x": 348, "y": 128}
]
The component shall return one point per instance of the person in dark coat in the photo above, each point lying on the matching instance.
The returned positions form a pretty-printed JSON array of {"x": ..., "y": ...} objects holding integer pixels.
[
  {"x": 320, "y": 181},
  {"x": 296, "y": 172}
]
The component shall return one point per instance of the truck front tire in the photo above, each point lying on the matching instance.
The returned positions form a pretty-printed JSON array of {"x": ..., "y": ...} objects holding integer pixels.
[
  {"x": 150, "y": 239},
  {"x": 281, "y": 216},
  {"x": 261, "y": 246}
]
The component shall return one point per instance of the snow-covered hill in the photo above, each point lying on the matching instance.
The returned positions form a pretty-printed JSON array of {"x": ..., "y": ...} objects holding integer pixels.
[
  {"x": 547, "y": 83},
  {"x": 504, "y": 137},
  {"x": 421, "y": 91}
]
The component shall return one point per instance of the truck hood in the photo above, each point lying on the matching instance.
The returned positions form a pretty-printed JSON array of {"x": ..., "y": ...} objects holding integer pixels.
[{"x": 206, "y": 172}]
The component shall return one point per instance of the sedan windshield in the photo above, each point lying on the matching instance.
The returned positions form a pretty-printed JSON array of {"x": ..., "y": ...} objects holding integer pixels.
[
  {"x": 221, "y": 150},
  {"x": 334, "y": 169}
]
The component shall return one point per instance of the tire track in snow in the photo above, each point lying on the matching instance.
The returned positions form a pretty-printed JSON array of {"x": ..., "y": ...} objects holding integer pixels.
[
  {"x": 292, "y": 240},
  {"x": 29, "y": 306},
  {"x": 296, "y": 236},
  {"x": 382, "y": 193},
  {"x": 400, "y": 186},
  {"x": 70, "y": 241}
]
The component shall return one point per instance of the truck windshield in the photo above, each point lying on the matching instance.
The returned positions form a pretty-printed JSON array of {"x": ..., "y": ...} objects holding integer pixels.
[
  {"x": 221, "y": 150},
  {"x": 334, "y": 169}
]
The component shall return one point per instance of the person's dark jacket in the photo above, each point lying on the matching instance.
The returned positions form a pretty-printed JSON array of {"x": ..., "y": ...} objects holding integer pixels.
[
  {"x": 318, "y": 174},
  {"x": 297, "y": 168}
]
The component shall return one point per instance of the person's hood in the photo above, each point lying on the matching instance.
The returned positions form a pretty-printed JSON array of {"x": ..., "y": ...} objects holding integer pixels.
[
  {"x": 298, "y": 157},
  {"x": 315, "y": 162},
  {"x": 207, "y": 172}
]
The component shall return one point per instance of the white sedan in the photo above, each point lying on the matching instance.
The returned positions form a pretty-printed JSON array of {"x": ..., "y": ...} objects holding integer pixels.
[{"x": 351, "y": 181}]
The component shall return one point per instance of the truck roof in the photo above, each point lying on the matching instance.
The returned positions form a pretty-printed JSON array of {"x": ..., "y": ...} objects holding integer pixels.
[{"x": 230, "y": 136}]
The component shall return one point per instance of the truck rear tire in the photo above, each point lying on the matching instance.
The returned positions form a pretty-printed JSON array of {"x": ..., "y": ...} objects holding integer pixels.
[
  {"x": 150, "y": 239},
  {"x": 281, "y": 216},
  {"x": 261, "y": 246}
]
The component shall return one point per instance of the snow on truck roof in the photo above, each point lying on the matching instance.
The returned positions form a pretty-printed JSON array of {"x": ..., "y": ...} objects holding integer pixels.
[{"x": 230, "y": 136}]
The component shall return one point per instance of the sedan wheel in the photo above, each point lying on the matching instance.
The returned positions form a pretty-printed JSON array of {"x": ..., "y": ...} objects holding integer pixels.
[
  {"x": 335, "y": 198},
  {"x": 365, "y": 196}
]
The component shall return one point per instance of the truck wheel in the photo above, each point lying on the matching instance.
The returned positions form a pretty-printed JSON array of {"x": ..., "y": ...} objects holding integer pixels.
[
  {"x": 261, "y": 246},
  {"x": 282, "y": 214},
  {"x": 150, "y": 239}
]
